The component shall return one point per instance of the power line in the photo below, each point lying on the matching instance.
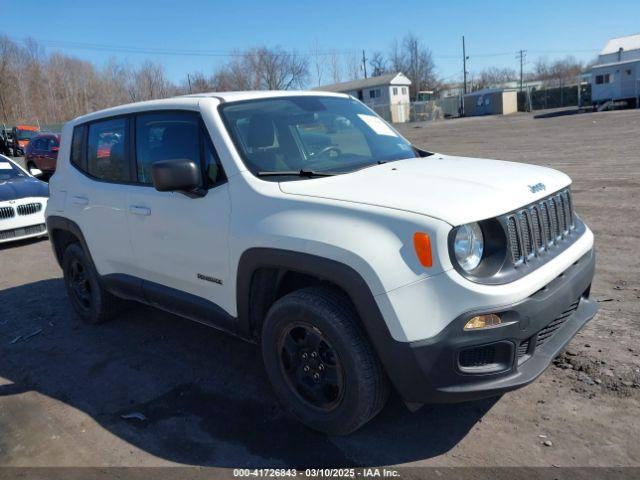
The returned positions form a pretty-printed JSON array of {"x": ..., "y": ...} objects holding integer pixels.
[
  {"x": 163, "y": 51},
  {"x": 64, "y": 44}
]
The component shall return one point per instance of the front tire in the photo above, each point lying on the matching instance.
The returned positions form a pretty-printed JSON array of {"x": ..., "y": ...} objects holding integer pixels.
[
  {"x": 90, "y": 301},
  {"x": 320, "y": 363}
]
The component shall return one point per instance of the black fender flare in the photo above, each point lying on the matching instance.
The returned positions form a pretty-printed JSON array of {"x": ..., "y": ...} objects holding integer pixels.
[
  {"x": 58, "y": 223},
  {"x": 396, "y": 358}
]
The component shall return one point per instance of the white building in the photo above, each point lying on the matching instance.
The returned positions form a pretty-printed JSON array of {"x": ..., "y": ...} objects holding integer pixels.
[
  {"x": 387, "y": 95},
  {"x": 616, "y": 76}
]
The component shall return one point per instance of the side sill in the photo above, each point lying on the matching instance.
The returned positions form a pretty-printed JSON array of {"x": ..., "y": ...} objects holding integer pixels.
[{"x": 172, "y": 300}]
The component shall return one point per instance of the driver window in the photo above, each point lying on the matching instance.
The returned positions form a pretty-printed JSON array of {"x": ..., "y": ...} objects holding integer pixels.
[{"x": 164, "y": 136}]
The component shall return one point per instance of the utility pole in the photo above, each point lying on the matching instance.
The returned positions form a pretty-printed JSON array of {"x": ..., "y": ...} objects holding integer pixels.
[
  {"x": 521, "y": 55},
  {"x": 464, "y": 76},
  {"x": 189, "y": 81},
  {"x": 464, "y": 67},
  {"x": 364, "y": 64}
]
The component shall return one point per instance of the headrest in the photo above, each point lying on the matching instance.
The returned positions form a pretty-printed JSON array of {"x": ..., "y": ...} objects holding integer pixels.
[{"x": 261, "y": 131}]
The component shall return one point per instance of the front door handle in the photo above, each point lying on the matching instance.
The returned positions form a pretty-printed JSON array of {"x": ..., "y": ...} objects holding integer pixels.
[
  {"x": 138, "y": 210},
  {"x": 78, "y": 200}
]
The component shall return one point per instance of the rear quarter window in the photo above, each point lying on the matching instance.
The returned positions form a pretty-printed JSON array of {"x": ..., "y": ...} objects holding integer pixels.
[{"x": 77, "y": 141}]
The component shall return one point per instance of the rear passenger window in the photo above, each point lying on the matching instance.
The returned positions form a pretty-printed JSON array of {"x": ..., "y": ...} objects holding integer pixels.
[
  {"x": 107, "y": 156},
  {"x": 76, "y": 146}
]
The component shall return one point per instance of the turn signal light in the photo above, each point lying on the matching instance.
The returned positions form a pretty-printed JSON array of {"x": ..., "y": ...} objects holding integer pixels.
[
  {"x": 483, "y": 321},
  {"x": 422, "y": 245}
]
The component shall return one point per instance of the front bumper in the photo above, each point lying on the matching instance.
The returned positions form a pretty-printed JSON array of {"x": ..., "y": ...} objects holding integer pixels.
[
  {"x": 458, "y": 365},
  {"x": 20, "y": 225}
]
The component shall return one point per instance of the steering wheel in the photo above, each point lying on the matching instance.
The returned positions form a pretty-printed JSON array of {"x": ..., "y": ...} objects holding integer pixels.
[{"x": 330, "y": 148}]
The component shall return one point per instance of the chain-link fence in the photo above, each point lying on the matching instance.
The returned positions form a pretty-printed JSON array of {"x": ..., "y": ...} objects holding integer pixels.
[
  {"x": 438, "y": 109},
  {"x": 558, "y": 97}
]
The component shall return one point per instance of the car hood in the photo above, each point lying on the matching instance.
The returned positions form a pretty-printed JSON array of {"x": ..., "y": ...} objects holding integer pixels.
[
  {"x": 17, "y": 188},
  {"x": 457, "y": 190}
]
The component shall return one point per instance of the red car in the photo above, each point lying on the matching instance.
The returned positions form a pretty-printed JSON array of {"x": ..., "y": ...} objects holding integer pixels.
[{"x": 42, "y": 153}]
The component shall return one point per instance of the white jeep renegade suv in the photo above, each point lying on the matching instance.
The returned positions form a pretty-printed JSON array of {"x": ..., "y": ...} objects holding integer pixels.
[{"x": 305, "y": 223}]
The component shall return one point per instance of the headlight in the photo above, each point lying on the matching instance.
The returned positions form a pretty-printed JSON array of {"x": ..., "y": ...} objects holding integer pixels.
[{"x": 468, "y": 246}]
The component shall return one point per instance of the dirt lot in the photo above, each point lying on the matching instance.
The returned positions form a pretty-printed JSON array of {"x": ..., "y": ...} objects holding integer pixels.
[{"x": 205, "y": 397}]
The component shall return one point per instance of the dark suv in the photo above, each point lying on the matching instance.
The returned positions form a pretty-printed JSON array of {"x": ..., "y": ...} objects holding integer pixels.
[{"x": 42, "y": 153}]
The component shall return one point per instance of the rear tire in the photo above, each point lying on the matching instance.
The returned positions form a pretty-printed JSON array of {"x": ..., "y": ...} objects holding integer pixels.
[
  {"x": 90, "y": 301},
  {"x": 320, "y": 363}
]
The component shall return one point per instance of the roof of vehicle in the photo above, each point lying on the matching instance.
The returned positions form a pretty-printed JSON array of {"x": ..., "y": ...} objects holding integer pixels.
[
  {"x": 27, "y": 127},
  {"x": 193, "y": 99},
  {"x": 47, "y": 135}
]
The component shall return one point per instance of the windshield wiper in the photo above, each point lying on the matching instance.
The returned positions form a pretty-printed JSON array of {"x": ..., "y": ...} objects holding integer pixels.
[{"x": 297, "y": 173}]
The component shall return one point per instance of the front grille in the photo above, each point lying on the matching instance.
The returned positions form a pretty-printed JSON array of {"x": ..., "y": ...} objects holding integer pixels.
[
  {"x": 547, "y": 332},
  {"x": 29, "y": 208},
  {"x": 7, "y": 212},
  {"x": 22, "y": 232},
  {"x": 538, "y": 227}
]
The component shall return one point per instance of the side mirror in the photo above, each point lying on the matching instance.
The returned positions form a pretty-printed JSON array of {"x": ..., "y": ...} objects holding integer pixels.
[
  {"x": 177, "y": 175},
  {"x": 36, "y": 172}
]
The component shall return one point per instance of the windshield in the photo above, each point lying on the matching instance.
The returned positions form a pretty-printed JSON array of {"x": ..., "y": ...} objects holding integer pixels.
[
  {"x": 311, "y": 133},
  {"x": 26, "y": 134},
  {"x": 9, "y": 171}
]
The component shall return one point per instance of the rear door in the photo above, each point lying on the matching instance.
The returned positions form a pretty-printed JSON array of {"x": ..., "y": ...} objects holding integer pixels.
[
  {"x": 97, "y": 194},
  {"x": 179, "y": 242}
]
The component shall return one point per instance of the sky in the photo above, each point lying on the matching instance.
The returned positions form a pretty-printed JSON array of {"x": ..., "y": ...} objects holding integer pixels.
[{"x": 198, "y": 35}]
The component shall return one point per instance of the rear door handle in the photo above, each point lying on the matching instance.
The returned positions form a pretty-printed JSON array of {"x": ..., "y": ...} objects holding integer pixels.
[
  {"x": 77, "y": 200},
  {"x": 138, "y": 210}
]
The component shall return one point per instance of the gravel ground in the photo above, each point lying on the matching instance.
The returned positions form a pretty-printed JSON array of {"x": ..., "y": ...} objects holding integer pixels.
[{"x": 202, "y": 397}]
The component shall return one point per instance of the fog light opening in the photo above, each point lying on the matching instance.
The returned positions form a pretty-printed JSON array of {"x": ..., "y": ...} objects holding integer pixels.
[{"x": 483, "y": 321}]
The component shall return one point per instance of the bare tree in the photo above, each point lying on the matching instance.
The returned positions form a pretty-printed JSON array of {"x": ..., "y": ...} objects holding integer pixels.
[
  {"x": 336, "y": 68},
  {"x": 378, "y": 64},
  {"x": 353, "y": 66},
  {"x": 414, "y": 59},
  {"x": 275, "y": 69},
  {"x": 319, "y": 62},
  {"x": 559, "y": 72},
  {"x": 493, "y": 76},
  {"x": 197, "y": 82},
  {"x": 148, "y": 82}
]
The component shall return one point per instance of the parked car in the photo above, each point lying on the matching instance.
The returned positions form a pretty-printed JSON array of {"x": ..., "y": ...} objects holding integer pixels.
[
  {"x": 21, "y": 136},
  {"x": 23, "y": 199},
  {"x": 42, "y": 153},
  {"x": 5, "y": 144},
  {"x": 358, "y": 262}
]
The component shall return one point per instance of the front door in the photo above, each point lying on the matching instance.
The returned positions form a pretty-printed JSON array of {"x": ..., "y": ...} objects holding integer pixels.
[{"x": 178, "y": 241}]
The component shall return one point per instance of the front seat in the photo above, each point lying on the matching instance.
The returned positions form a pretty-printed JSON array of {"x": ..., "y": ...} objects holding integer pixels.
[{"x": 260, "y": 140}]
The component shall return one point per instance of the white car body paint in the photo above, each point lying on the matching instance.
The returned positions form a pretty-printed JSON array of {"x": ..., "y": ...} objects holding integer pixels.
[{"x": 365, "y": 219}]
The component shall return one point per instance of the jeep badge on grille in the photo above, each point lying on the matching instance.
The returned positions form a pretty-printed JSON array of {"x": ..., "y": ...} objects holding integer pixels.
[{"x": 538, "y": 187}]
